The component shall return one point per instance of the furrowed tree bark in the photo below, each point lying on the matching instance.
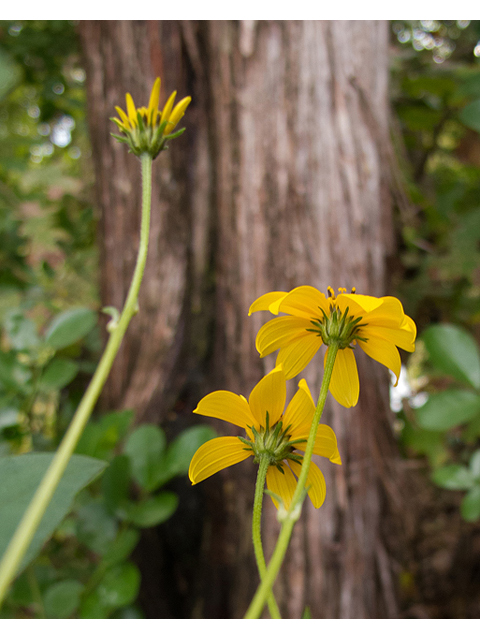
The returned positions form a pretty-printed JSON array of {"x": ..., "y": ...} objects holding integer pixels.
[{"x": 279, "y": 181}]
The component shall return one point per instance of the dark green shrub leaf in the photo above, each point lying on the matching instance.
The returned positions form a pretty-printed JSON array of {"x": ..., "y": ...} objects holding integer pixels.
[
  {"x": 448, "y": 409},
  {"x": 119, "y": 586},
  {"x": 453, "y": 476},
  {"x": 145, "y": 447},
  {"x": 21, "y": 476},
  {"x": 116, "y": 483},
  {"x": 21, "y": 331},
  {"x": 470, "y": 505},
  {"x": 69, "y": 327},
  {"x": 122, "y": 547},
  {"x": 179, "y": 454},
  {"x": 100, "y": 437},
  {"x": 92, "y": 608},
  {"x": 470, "y": 115},
  {"x": 58, "y": 373},
  {"x": 153, "y": 511},
  {"x": 453, "y": 351},
  {"x": 96, "y": 528},
  {"x": 62, "y": 599}
]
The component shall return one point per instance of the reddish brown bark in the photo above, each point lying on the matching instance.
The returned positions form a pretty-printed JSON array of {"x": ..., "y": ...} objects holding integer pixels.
[{"x": 279, "y": 181}]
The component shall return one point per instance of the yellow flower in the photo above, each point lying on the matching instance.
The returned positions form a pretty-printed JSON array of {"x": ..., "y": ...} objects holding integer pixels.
[
  {"x": 377, "y": 325},
  {"x": 281, "y": 434},
  {"x": 147, "y": 129}
]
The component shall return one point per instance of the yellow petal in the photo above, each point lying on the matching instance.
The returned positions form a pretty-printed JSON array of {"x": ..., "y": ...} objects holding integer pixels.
[
  {"x": 358, "y": 304},
  {"x": 215, "y": 455},
  {"x": 227, "y": 406},
  {"x": 296, "y": 355},
  {"x": 132, "y": 112},
  {"x": 325, "y": 443},
  {"x": 123, "y": 116},
  {"x": 153, "y": 102},
  {"x": 403, "y": 338},
  {"x": 382, "y": 351},
  {"x": 167, "y": 109},
  {"x": 299, "y": 412},
  {"x": 177, "y": 114},
  {"x": 279, "y": 332},
  {"x": 306, "y": 302},
  {"x": 317, "y": 488},
  {"x": 389, "y": 314},
  {"x": 269, "y": 395},
  {"x": 344, "y": 384},
  {"x": 263, "y": 302},
  {"x": 283, "y": 484}
]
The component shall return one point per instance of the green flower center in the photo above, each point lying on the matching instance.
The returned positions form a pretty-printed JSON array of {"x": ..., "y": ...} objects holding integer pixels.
[
  {"x": 273, "y": 442},
  {"x": 337, "y": 327}
]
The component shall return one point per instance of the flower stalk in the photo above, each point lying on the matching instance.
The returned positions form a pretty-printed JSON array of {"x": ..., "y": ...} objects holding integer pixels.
[
  {"x": 256, "y": 531},
  {"x": 33, "y": 515},
  {"x": 292, "y": 514}
]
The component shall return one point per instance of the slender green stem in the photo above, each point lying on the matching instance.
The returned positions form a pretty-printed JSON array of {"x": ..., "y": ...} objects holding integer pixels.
[
  {"x": 32, "y": 517},
  {"x": 256, "y": 531},
  {"x": 292, "y": 515}
]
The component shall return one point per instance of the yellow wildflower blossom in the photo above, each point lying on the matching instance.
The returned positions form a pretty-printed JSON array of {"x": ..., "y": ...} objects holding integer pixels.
[
  {"x": 146, "y": 129},
  {"x": 377, "y": 325},
  {"x": 271, "y": 430}
]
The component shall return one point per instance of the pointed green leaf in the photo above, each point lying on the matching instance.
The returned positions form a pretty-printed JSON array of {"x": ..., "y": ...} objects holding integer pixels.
[
  {"x": 20, "y": 476},
  {"x": 153, "y": 511},
  {"x": 69, "y": 327},
  {"x": 470, "y": 505},
  {"x": 453, "y": 476},
  {"x": 58, "y": 373},
  {"x": 453, "y": 351},
  {"x": 61, "y": 599},
  {"x": 145, "y": 447},
  {"x": 447, "y": 409}
]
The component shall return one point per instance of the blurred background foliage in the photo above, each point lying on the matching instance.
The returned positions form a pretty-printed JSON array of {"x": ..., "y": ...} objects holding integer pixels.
[
  {"x": 49, "y": 302},
  {"x": 80, "y": 563}
]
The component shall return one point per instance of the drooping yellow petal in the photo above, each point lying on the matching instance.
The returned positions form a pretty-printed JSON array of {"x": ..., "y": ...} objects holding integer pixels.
[
  {"x": 263, "y": 302},
  {"x": 123, "y": 116},
  {"x": 167, "y": 109},
  {"x": 153, "y": 102},
  {"x": 403, "y": 338},
  {"x": 299, "y": 412},
  {"x": 227, "y": 406},
  {"x": 344, "y": 383},
  {"x": 296, "y": 355},
  {"x": 279, "y": 332},
  {"x": 283, "y": 484},
  {"x": 389, "y": 314},
  {"x": 382, "y": 351},
  {"x": 215, "y": 455},
  {"x": 317, "y": 488},
  {"x": 358, "y": 304},
  {"x": 269, "y": 395},
  {"x": 305, "y": 302},
  {"x": 177, "y": 114},
  {"x": 325, "y": 443},
  {"x": 132, "y": 112}
]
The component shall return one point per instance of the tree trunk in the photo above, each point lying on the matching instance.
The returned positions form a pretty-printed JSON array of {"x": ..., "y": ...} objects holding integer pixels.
[{"x": 279, "y": 181}]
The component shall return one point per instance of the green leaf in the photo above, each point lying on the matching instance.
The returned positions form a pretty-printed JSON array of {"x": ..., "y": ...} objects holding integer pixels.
[
  {"x": 470, "y": 505},
  {"x": 470, "y": 115},
  {"x": 448, "y": 409},
  {"x": 153, "y": 511},
  {"x": 100, "y": 437},
  {"x": 21, "y": 331},
  {"x": 92, "y": 608},
  {"x": 145, "y": 447},
  {"x": 453, "y": 351},
  {"x": 96, "y": 528},
  {"x": 10, "y": 74},
  {"x": 21, "y": 476},
  {"x": 180, "y": 452},
  {"x": 122, "y": 547},
  {"x": 69, "y": 327},
  {"x": 62, "y": 599},
  {"x": 9, "y": 417},
  {"x": 453, "y": 476},
  {"x": 119, "y": 586},
  {"x": 58, "y": 373},
  {"x": 116, "y": 483},
  {"x": 474, "y": 465}
]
